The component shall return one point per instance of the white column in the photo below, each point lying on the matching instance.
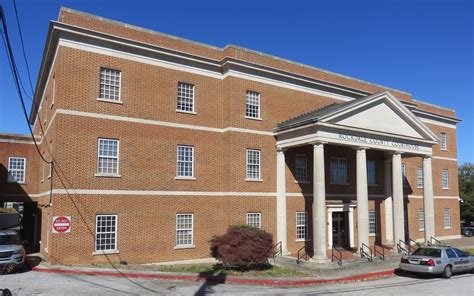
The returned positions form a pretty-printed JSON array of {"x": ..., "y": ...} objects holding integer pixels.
[
  {"x": 428, "y": 202},
  {"x": 319, "y": 204},
  {"x": 281, "y": 200},
  {"x": 362, "y": 198},
  {"x": 351, "y": 228},
  {"x": 397, "y": 181},
  {"x": 388, "y": 207}
]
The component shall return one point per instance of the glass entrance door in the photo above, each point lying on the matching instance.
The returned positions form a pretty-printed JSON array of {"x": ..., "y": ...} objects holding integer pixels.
[{"x": 339, "y": 229}]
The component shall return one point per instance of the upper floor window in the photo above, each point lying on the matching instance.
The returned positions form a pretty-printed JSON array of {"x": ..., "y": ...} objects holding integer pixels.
[
  {"x": 254, "y": 219},
  {"x": 443, "y": 141},
  {"x": 253, "y": 164},
  {"x": 445, "y": 179},
  {"x": 185, "y": 97},
  {"x": 301, "y": 226},
  {"x": 16, "y": 169},
  {"x": 338, "y": 171},
  {"x": 301, "y": 167},
  {"x": 108, "y": 162},
  {"x": 185, "y": 161},
  {"x": 419, "y": 177},
  {"x": 372, "y": 222},
  {"x": 110, "y": 85},
  {"x": 371, "y": 174},
  {"x": 253, "y": 105}
]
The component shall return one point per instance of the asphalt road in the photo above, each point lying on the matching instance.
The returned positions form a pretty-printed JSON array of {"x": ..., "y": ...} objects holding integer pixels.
[{"x": 60, "y": 284}]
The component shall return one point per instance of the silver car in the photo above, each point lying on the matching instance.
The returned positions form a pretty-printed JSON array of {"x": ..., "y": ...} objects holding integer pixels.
[
  {"x": 443, "y": 260},
  {"x": 12, "y": 253}
]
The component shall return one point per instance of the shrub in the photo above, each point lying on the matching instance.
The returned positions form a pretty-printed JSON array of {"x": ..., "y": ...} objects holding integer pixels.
[{"x": 242, "y": 246}]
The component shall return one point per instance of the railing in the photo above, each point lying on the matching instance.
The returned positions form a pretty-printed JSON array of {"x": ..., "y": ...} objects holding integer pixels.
[
  {"x": 300, "y": 256},
  {"x": 382, "y": 254},
  {"x": 277, "y": 249},
  {"x": 436, "y": 242},
  {"x": 365, "y": 254},
  {"x": 339, "y": 259},
  {"x": 402, "y": 246}
]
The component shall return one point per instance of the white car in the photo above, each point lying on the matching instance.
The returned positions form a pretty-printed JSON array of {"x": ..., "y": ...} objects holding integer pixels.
[{"x": 12, "y": 253}]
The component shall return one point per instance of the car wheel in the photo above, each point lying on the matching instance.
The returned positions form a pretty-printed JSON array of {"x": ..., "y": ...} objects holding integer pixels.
[
  {"x": 447, "y": 273},
  {"x": 468, "y": 233}
]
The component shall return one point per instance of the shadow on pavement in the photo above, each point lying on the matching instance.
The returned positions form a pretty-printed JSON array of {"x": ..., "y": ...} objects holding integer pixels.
[{"x": 212, "y": 278}]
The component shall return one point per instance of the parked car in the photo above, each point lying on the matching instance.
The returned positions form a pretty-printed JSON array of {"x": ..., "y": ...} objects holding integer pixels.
[
  {"x": 467, "y": 230},
  {"x": 12, "y": 252},
  {"x": 443, "y": 260}
]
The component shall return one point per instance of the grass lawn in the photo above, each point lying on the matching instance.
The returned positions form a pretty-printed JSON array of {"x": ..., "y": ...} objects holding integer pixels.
[{"x": 470, "y": 251}]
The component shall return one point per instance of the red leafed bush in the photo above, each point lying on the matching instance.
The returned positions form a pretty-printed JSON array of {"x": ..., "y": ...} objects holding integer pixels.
[{"x": 242, "y": 246}]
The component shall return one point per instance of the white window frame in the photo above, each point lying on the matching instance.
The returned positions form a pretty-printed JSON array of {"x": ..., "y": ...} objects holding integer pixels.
[
  {"x": 250, "y": 98},
  {"x": 371, "y": 173},
  {"x": 101, "y": 174},
  {"x": 301, "y": 226},
  {"x": 101, "y": 97},
  {"x": 11, "y": 178},
  {"x": 421, "y": 219},
  {"x": 445, "y": 178},
  {"x": 301, "y": 168},
  {"x": 102, "y": 251},
  {"x": 180, "y": 176},
  {"x": 258, "y": 165},
  {"x": 447, "y": 223},
  {"x": 419, "y": 177},
  {"x": 372, "y": 222},
  {"x": 54, "y": 91},
  {"x": 443, "y": 141},
  {"x": 184, "y": 245},
  {"x": 181, "y": 99},
  {"x": 254, "y": 219},
  {"x": 404, "y": 175},
  {"x": 342, "y": 176}
]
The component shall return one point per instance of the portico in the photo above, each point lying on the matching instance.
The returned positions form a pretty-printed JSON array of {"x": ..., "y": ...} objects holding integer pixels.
[{"x": 374, "y": 123}]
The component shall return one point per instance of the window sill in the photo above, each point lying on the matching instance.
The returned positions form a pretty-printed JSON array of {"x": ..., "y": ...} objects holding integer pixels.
[
  {"x": 302, "y": 240},
  {"x": 340, "y": 184},
  {"x": 372, "y": 234},
  {"x": 254, "y": 118},
  {"x": 301, "y": 182},
  {"x": 110, "y": 101},
  {"x": 185, "y": 178},
  {"x": 108, "y": 175},
  {"x": 419, "y": 187},
  {"x": 446, "y": 188},
  {"x": 447, "y": 228},
  {"x": 108, "y": 252},
  {"x": 184, "y": 247},
  {"x": 253, "y": 180},
  {"x": 186, "y": 112},
  {"x": 421, "y": 230},
  {"x": 373, "y": 185}
]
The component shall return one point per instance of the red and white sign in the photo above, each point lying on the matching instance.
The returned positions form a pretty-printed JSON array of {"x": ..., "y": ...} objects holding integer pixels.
[{"x": 61, "y": 224}]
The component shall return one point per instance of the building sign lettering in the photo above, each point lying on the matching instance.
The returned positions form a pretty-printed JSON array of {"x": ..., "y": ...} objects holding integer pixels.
[{"x": 375, "y": 141}]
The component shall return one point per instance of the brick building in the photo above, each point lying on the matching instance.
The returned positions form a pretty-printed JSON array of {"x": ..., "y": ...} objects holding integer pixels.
[{"x": 159, "y": 143}]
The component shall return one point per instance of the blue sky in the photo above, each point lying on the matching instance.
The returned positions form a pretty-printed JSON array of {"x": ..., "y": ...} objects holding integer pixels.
[{"x": 423, "y": 47}]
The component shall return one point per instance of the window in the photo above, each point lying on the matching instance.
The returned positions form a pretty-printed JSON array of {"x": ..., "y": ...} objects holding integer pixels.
[
  {"x": 450, "y": 253},
  {"x": 301, "y": 167},
  {"x": 253, "y": 105},
  {"x": 371, "y": 176},
  {"x": 184, "y": 230},
  {"x": 301, "y": 226},
  {"x": 443, "y": 141},
  {"x": 419, "y": 177},
  {"x": 185, "y": 164},
  {"x": 109, "y": 85},
  {"x": 421, "y": 220},
  {"x": 185, "y": 97},
  {"x": 254, "y": 219},
  {"x": 105, "y": 233},
  {"x": 445, "y": 177},
  {"x": 253, "y": 164},
  {"x": 338, "y": 168},
  {"x": 16, "y": 169},
  {"x": 372, "y": 222},
  {"x": 447, "y": 218},
  {"x": 54, "y": 91},
  {"x": 404, "y": 175},
  {"x": 405, "y": 221},
  {"x": 108, "y": 157}
]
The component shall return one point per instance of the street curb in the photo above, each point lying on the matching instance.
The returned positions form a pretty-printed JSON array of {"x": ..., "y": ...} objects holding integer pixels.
[{"x": 225, "y": 280}]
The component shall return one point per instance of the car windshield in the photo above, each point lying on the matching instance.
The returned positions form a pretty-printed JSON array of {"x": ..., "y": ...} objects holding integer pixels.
[
  {"x": 9, "y": 239},
  {"x": 428, "y": 252}
]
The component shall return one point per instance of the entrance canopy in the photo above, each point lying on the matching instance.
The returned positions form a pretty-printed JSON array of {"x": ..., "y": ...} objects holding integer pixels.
[{"x": 378, "y": 121}]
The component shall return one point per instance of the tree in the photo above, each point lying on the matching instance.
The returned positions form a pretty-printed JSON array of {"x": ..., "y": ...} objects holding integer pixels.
[{"x": 466, "y": 191}]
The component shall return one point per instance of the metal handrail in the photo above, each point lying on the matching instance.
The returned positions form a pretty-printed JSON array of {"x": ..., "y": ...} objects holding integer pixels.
[
  {"x": 381, "y": 253},
  {"x": 339, "y": 260},
  {"x": 279, "y": 249},
  {"x": 406, "y": 248},
  {"x": 298, "y": 256},
  {"x": 364, "y": 254},
  {"x": 437, "y": 242}
]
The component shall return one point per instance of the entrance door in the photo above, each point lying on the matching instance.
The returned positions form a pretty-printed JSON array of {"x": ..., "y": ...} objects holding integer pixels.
[{"x": 339, "y": 229}]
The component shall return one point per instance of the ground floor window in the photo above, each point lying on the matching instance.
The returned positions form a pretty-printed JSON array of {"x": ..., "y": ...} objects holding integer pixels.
[
  {"x": 447, "y": 218},
  {"x": 372, "y": 222},
  {"x": 301, "y": 225},
  {"x": 421, "y": 220},
  {"x": 184, "y": 230},
  {"x": 106, "y": 233},
  {"x": 254, "y": 219}
]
